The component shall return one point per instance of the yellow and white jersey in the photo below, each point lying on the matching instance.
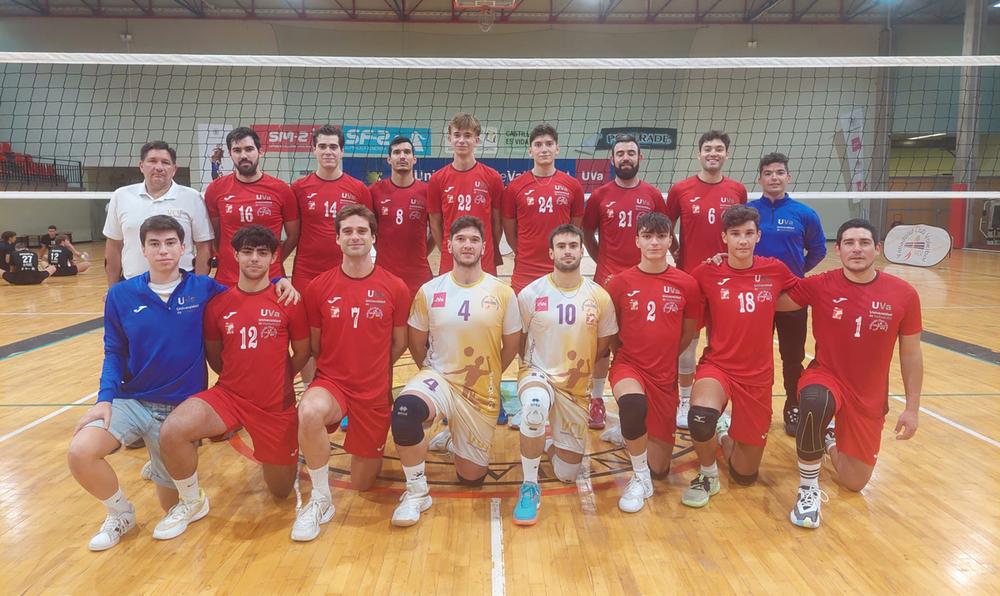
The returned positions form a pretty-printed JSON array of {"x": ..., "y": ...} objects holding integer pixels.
[
  {"x": 466, "y": 324},
  {"x": 563, "y": 326}
]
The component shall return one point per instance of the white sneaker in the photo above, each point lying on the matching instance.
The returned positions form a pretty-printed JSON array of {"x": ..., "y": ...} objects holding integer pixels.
[
  {"x": 614, "y": 436},
  {"x": 114, "y": 527},
  {"x": 308, "y": 520},
  {"x": 442, "y": 443},
  {"x": 806, "y": 513},
  {"x": 638, "y": 490},
  {"x": 682, "y": 413},
  {"x": 180, "y": 515},
  {"x": 85, "y": 256},
  {"x": 415, "y": 501},
  {"x": 147, "y": 471}
]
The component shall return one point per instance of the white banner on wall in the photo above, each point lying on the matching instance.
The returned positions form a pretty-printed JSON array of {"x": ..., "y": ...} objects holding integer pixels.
[
  {"x": 212, "y": 157},
  {"x": 853, "y": 124}
]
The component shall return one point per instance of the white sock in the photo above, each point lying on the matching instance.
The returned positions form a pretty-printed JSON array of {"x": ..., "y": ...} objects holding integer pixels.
[
  {"x": 686, "y": 392},
  {"x": 117, "y": 504},
  {"x": 529, "y": 467},
  {"x": 809, "y": 474},
  {"x": 598, "y": 392},
  {"x": 321, "y": 482},
  {"x": 712, "y": 470},
  {"x": 639, "y": 465},
  {"x": 415, "y": 474},
  {"x": 188, "y": 488}
]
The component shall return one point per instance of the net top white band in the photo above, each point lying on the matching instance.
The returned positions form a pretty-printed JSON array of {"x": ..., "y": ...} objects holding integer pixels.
[{"x": 493, "y": 63}]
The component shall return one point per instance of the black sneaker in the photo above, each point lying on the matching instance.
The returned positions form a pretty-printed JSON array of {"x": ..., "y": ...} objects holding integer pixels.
[{"x": 791, "y": 415}]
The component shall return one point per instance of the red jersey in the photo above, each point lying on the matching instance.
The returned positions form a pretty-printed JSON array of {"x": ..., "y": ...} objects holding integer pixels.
[
  {"x": 614, "y": 212},
  {"x": 651, "y": 309},
  {"x": 539, "y": 205},
  {"x": 319, "y": 201},
  {"x": 699, "y": 206},
  {"x": 739, "y": 313},
  {"x": 856, "y": 327},
  {"x": 255, "y": 330},
  {"x": 268, "y": 202},
  {"x": 477, "y": 192},
  {"x": 356, "y": 318},
  {"x": 401, "y": 244}
]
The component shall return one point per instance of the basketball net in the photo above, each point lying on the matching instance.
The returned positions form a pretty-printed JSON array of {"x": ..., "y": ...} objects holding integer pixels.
[{"x": 486, "y": 18}]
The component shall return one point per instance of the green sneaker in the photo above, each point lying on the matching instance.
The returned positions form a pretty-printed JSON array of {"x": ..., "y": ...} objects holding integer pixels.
[{"x": 701, "y": 489}]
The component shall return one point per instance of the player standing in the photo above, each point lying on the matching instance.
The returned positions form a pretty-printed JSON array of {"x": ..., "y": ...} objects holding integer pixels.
[
  {"x": 697, "y": 203},
  {"x": 858, "y": 316},
  {"x": 738, "y": 364},
  {"x": 473, "y": 325},
  {"x": 357, "y": 315},
  {"x": 466, "y": 187},
  {"x": 612, "y": 212},
  {"x": 569, "y": 322},
  {"x": 401, "y": 210},
  {"x": 247, "y": 334},
  {"x": 658, "y": 307},
  {"x": 535, "y": 203},
  {"x": 249, "y": 196},
  {"x": 792, "y": 233}
]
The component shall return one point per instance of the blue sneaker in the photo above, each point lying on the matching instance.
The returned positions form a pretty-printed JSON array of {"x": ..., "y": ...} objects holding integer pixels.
[
  {"x": 526, "y": 511},
  {"x": 343, "y": 424},
  {"x": 502, "y": 417}
]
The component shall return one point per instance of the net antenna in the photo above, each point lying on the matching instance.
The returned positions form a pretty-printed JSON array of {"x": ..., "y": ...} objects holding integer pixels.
[{"x": 487, "y": 10}]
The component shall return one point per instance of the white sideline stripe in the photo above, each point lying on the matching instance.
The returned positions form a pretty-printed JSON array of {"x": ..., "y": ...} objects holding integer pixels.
[
  {"x": 496, "y": 538},
  {"x": 810, "y": 195},
  {"x": 959, "y": 307},
  {"x": 938, "y": 416},
  {"x": 44, "y": 418},
  {"x": 492, "y": 63},
  {"x": 42, "y": 314}
]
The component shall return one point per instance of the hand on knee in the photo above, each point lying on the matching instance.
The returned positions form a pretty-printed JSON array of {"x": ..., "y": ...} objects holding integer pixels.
[
  {"x": 409, "y": 413},
  {"x": 632, "y": 409},
  {"x": 535, "y": 403},
  {"x": 702, "y": 422}
]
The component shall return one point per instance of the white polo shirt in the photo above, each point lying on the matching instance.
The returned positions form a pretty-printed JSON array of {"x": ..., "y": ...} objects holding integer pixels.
[{"x": 132, "y": 205}]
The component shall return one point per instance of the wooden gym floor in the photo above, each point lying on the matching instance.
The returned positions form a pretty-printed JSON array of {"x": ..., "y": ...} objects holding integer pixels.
[{"x": 927, "y": 523}]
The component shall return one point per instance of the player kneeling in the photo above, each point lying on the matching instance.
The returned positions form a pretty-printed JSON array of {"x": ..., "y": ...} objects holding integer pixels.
[
  {"x": 569, "y": 322},
  {"x": 247, "y": 333},
  {"x": 858, "y": 315},
  {"x": 472, "y": 323}
]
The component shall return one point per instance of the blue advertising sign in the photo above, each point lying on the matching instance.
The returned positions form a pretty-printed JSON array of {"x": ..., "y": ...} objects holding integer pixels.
[{"x": 374, "y": 140}]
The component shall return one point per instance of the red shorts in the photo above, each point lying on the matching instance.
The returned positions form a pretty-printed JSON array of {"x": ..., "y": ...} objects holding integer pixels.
[
  {"x": 751, "y": 406},
  {"x": 858, "y": 434},
  {"x": 369, "y": 420},
  {"x": 275, "y": 435},
  {"x": 662, "y": 402}
]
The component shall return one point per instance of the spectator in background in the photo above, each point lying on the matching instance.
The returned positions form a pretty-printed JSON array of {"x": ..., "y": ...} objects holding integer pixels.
[{"x": 157, "y": 194}]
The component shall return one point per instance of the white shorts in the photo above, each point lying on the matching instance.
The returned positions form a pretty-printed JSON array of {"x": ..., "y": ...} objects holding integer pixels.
[
  {"x": 568, "y": 416},
  {"x": 131, "y": 420},
  {"x": 688, "y": 360},
  {"x": 471, "y": 430}
]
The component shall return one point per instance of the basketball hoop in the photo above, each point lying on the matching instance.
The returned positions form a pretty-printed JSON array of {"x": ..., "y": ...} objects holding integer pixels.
[
  {"x": 486, "y": 18},
  {"x": 487, "y": 10}
]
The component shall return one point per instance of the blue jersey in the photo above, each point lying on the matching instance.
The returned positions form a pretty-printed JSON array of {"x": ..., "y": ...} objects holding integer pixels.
[
  {"x": 153, "y": 350},
  {"x": 790, "y": 232}
]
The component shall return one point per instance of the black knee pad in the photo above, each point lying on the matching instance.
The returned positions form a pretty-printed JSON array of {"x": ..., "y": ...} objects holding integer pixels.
[
  {"x": 659, "y": 475},
  {"x": 632, "y": 410},
  {"x": 409, "y": 413},
  {"x": 701, "y": 422},
  {"x": 473, "y": 483},
  {"x": 744, "y": 479},
  {"x": 816, "y": 410}
]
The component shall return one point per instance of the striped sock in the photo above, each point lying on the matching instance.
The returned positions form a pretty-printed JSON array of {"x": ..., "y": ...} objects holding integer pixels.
[{"x": 809, "y": 474}]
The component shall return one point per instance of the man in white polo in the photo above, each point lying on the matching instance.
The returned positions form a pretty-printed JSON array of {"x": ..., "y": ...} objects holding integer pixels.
[{"x": 156, "y": 195}]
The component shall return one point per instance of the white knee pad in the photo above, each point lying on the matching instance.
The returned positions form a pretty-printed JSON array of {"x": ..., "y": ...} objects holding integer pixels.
[
  {"x": 564, "y": 471},
  {"x": 688, "y": 360},
  {"x": 535, "y": 403}
]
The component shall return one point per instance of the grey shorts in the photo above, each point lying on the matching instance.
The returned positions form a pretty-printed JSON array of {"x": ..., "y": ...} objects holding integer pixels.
[{"x": 131, "y": 420}]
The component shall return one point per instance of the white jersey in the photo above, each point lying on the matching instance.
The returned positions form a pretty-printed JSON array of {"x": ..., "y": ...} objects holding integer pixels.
[
  {"x": 563, "y": 326},
  {"x": 466, "y": 324}
]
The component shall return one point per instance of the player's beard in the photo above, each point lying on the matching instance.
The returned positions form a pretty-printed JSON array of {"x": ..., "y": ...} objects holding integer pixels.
[
  {"x": 459, "y": 263},
  {"x": 627, "y": 172},
  {"x": 247, "y": 169},
  {"x": 568, "y": 267}
]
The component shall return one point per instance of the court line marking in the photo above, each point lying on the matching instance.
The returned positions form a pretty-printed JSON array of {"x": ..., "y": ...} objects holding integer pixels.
[
  {"x": 31, "y": 425},
  {"x": 496, "y": 536},
  {"x": 933, "y": 414}
]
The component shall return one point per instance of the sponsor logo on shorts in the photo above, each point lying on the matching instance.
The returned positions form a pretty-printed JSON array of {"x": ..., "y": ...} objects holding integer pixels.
[
  {"x": 439, "y": 299},
  {"x": 542, "y": 304}
]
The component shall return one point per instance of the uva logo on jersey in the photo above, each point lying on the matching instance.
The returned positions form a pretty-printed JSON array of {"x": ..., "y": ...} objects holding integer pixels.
[
  {"x": 374, "y": 313},
  {"x": 786, "y": 222},
  {"x": 562, "y": 188},
  {"x": 760, "y": 278},
  {"x": 764, "y": 296},
  {"x": 542, "y": 304},
  {"x": 268, "y": 332},
  {"x": 838, "y": 313},
  {"x": 375, "y": 294},
  {"x": 671, "y": 307},
  {"x": 263, "y": 197},
  {"x": 480, "y": 199},
  {"x": 878, "y": 325},
  {"x": 671, "y": 290},
  {"x": 262, "y": 211},
  {"x": 415, "y": 215},
  {"x": 877, "y": 305},
  {"x": 349, "y": 197},
  {"x": 439, "y": 299},
  {"x": 480, "y": 184},
  {"x": 268, "y": 313},
  {"x": 562, "y": 201}
]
